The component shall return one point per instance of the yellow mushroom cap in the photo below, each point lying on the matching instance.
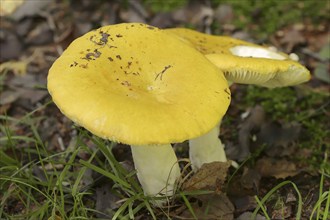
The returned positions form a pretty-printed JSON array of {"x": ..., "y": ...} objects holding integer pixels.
[
  {"x": 136, "y": 84},
  {"x": 265, "y": 72},
  {"x": 206, "y": 43},
  {"x": 244, "y": 62}
]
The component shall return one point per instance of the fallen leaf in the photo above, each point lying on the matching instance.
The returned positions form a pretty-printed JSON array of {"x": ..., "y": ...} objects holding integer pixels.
[
  {"x": 250, "y": 179},
  {"x": 293, "y": 37},
  {"x": 32, "y": 95},
  {"x": 245, "y": 203},
  {"x": 212, "y": 206},
  {"x": 278, "y": 138},
  {"x": 210, "y": 176},
  {"x": 8, "y": 97},
  {"x": 278, "y": 168}
]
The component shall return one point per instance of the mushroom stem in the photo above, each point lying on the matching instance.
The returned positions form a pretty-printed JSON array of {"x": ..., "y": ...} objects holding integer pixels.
[
  {"x": 206, "y": 149},
  {"x": 157, "y": 168}
]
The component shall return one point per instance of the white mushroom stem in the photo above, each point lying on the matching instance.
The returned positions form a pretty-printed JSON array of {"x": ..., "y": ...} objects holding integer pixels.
[
  {"x": 157, "y": 168},
  {"x": 206, "y": 149}
]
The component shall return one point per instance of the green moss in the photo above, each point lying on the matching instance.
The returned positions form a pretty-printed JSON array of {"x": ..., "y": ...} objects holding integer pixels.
[
  {"x": 297, "y": 104},
  {"x": 265, "y": 17}
]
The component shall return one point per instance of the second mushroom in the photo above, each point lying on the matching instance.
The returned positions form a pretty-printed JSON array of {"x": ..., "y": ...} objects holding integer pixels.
[{"x": 241, "y": 62}]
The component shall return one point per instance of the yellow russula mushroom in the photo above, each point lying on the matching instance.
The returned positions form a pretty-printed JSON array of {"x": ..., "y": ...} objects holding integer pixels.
[
  {"x": 136, "y": 84},
  {"x": 266, "y": 72},
  {"x": 245, "y": 62},
  {"x": 241, "y": 62}
]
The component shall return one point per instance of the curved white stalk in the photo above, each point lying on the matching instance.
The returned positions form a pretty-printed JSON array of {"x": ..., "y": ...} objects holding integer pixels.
[
  {"x": 206, "y": 149},
  {"x": 157, "y": 168}
]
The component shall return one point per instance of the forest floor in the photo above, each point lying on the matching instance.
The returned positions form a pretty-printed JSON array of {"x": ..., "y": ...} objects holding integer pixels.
[{"x": 53, "y": 169}]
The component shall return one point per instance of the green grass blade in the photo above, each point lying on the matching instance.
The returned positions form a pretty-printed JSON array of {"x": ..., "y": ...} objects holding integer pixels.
[
  {"x": 262, "y": 207},
  {"x": 272, "y": 191},
  {"x": 105, "y": 173},
  {"x": 190, "y": 208}
]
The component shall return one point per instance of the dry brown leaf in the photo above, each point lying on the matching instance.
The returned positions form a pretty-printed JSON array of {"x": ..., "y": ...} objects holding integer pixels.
[
  {"x": 250, "y": 179},
  {"x": 210, "y": 176},
  {"x": 278, "y": 168},
  {"x": 293, "y": 37},
  {"x": 212, "y": 206}
]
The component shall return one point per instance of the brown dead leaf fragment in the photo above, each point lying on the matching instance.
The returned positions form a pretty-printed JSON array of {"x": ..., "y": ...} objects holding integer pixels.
[
  {"x": 278, "y": 168},
  {"x": 279, "y": 138},
  {"x": 291, "y": 36},
  {"x": 243, "y": 204},
  {"x": 211, "y": 207},
  {"x": 210, "y": 176},
  {"x": 250, "y": 179}
]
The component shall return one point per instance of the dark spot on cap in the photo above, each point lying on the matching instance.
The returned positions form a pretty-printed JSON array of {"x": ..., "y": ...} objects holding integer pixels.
[
  {"x": 226, "y": 91},
  {"x": 74, "y": 64},
  {"x": 97, "y": 53},
  {"x": 110, "y": 59},
  {"x": 118, "y": 57},
  {"x": 119, "y": 35}
]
